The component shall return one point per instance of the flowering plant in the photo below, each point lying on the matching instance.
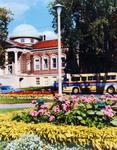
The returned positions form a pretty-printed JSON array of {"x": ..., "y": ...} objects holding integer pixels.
[{"x": 84, "y": 110}]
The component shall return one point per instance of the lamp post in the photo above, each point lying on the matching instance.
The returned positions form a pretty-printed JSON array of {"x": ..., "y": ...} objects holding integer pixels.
[{"x": 58, "y": 8}]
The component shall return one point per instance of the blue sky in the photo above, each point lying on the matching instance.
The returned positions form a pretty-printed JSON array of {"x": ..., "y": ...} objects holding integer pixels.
[{"x": 33, "y": 12}]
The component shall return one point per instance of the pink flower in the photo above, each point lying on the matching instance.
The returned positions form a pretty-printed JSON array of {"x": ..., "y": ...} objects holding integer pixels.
[
  {"x": 64, "y": 106},
  {"x": 33, "y": 101},
  {"x": 42, "y": 111},
  {"x": 34, "y": 113},
  {"x": 56, "y": 109},
  {"x": 52, "y": 118},
  {"x": 108, "y": 111},
  {"x": 89, "y": 99},
  {"x": 44, "y": 106},
  {"x": 108, "y": 107},
  {"x": 56, "y": 98},
  {"x": 47, "y": 114},
  {"x": 74, "y": 99}
]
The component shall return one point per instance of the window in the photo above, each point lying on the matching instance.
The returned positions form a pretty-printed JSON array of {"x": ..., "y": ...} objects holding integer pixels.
[
  {"x": 22, "y": 40},
  {"x": 111, "y": 77},
  {"x": 37, "y": 63},
  {"x": 101, "y": 78},
  {"x": 37, "y": 81},
  {"x": 28, "y": 65},
  {"x": 75, "y": 79},
  {"x": 63, "y": 61},
  {"x": 46, "y": 80},
  {"x": 83, "y": 78},
  {"x": 32, "y": 40},
  {"x": 54, "y": 62},
  {"x": 92, "y": 78},
  {"x": 45, "y": 63}
]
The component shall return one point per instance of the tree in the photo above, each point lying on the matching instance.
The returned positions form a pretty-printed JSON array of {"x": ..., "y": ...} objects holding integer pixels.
[
  {"x": 5, "y": 18},
  {"x": 87, "y": 22}
]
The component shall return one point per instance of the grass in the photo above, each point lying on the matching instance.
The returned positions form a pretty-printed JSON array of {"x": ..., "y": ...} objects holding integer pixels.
[
  {"x": 14, "y": 101},
  {"x": 4, "y": 100},
  {"x": 6, "y": 110}
]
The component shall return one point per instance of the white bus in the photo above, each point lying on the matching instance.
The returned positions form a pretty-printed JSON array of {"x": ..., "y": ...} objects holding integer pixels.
[{"x": 90, "y": 82}]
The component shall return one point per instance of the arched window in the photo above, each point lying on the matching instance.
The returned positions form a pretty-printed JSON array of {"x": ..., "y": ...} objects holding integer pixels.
[
  {"x": 37, "y": 63},
  {"x": 54, "y": 62},
  {"x": 63, "y": 60},
  {"x": 45, "y": 63},
  {"x": 29, "y": 65}
]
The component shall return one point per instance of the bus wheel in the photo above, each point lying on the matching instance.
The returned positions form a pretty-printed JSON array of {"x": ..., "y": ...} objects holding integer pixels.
[
  {"x": 75, "y": 90},
  {"x": 111, "y": 90}
]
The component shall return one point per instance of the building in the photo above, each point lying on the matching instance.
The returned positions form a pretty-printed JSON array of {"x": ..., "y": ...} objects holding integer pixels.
[{"x": 31, "y": 60}]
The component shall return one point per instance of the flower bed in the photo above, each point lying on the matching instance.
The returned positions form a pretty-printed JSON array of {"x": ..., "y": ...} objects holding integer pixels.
[
  {"x": 88, "y": 111},
  {"x": 76, "y": 121},
  {"x": 42, "y": 91},
  {"x": 105, "y": 138}
]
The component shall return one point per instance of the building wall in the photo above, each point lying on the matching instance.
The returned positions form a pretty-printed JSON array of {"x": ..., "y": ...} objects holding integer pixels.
[
  {"x": 29, "y": 58},
  {"x": 31, "y": 71}
]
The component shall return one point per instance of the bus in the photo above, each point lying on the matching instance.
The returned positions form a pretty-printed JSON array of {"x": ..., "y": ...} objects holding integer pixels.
[{"x": 90, "y": 83}]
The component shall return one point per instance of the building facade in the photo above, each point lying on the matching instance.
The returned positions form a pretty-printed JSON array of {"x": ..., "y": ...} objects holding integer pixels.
[{"x": 31, "y": 61}]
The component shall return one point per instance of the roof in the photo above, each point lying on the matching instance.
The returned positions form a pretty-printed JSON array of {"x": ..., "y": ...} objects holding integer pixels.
[
  {"x": 46, "y": 44},
  {"x": 17, "y": 44},
  {"x": 25, "y": 29}
]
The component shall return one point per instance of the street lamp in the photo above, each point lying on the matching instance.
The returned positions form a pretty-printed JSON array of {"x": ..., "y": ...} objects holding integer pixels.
[{"x": 58, "y": 8}]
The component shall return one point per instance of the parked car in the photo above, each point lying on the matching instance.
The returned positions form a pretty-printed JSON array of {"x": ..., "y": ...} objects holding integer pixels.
[{"x": 7, "y": 89}]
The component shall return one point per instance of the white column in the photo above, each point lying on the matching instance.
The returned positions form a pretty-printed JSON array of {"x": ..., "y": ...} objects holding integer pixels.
[
  {"x": 59, "y": 54},
  {"x": 16, "y": 62},
  {"x": 6, "y": 63}
]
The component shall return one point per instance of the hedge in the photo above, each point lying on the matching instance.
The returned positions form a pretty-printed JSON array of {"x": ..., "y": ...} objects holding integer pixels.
[{"x": 105, "y": 138}]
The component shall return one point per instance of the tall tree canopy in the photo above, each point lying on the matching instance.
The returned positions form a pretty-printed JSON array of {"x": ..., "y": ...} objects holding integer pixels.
[
  {"x": 93, "y": 25},
  {"x": 5, "y": 18}
]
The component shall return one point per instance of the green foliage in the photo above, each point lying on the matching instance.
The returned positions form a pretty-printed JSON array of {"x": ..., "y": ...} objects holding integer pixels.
[
  {"x": 5, "y": 18},
  {"x": 88, "y": 115},
  {"x": 6, "y": 110},
  {"x": 87, "y": 111},
  {"x": 26, "y": 117},
  {"x": 4, "y": 100},
  {"x": 33, "y": 142},
  {"x": 92, "y": 25}
]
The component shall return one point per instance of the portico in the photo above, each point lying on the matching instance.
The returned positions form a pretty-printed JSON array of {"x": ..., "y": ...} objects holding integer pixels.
[{"x": 12, "y": 57}]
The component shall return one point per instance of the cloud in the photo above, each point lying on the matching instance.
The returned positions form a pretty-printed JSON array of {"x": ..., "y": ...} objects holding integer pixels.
[
  {"x": 49, "y": 35},
  {"x": 46, "y": 1},
  {"x": 18, "y": 7}
]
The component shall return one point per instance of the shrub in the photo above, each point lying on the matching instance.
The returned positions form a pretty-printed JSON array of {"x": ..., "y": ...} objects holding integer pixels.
[
  {"x": 105, "y": 138},
  {"x": 28, "y": 141},
  {"x": 33, "y": 142},
  {"x": 88, "y": 111}
]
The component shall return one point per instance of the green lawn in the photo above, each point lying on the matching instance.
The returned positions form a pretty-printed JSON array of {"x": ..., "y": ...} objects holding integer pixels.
[
  {"x": 6, "y": 110},
  {"x": 4, "y": 100}
]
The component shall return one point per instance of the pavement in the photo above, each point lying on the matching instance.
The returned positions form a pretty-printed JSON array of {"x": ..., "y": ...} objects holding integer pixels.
[{"x": 24, "y": 105}]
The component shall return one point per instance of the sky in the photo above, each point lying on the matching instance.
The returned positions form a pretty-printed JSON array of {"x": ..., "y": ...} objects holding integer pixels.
[{"x": 30, "y": 12}]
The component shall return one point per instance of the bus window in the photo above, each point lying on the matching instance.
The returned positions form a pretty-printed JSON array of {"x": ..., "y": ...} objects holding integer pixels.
[
  {"x": 75, "y": 79},
  {"x": 101, "y": 78},
  {"x": 92, "y": 78},
  {"x": 111, "y": 77},
  {"x": 83, "y": 78}
]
